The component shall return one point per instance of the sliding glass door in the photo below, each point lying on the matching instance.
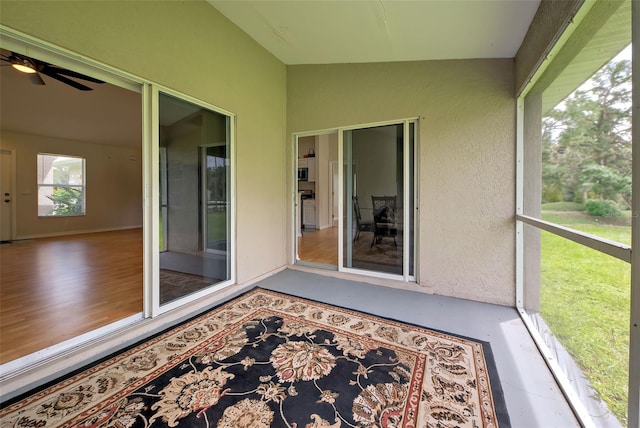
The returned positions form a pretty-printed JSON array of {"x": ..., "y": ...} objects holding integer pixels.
[
  {"x": 378, "y": 200},
  {"x": 194, "y": 209}
]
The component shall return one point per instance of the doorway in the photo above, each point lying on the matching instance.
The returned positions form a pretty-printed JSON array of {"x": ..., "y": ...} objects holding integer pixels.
[
  {"x": 6, "y": 190},
  {"x": 72, "y": 256},
  {"x": 367, "y": 197},
  {"x": 316, "y": 190}
]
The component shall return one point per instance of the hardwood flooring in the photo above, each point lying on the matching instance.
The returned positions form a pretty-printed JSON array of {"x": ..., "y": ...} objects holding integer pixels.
[
  {"x": 319, "y": 246},
  {"x": 54, "y": 289}
]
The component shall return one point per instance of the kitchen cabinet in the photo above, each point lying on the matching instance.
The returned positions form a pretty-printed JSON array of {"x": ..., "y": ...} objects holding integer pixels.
[
  {"x": 311, "y": 165},
  {"x": 309, "y": 213}
]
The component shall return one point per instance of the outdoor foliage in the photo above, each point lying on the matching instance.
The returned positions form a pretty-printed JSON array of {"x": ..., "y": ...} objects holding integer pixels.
[
  {"x": 66, "y": 201},
  {"x": 586, "y": 182},
  {"x": 598, "y": 208},
  {"x": 587, "y": 141}
]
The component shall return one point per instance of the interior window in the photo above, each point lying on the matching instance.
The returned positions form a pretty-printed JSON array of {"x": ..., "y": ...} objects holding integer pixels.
[{"x": 61, "y": 186}]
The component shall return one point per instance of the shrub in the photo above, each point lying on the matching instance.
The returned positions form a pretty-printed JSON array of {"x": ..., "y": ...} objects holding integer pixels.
[
  {"x": 66, "y": 201},
  {"x": 551, "y": 193},
  {"x": 578, "y": 198},
  {"x": 598, "y": 208}
]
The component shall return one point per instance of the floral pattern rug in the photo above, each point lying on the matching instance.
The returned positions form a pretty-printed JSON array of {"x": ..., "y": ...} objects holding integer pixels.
[{"x": 267, "y": 359}]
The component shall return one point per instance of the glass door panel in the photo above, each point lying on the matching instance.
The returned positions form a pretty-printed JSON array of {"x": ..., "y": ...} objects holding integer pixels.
[
  {"x": 377, "y": 215},
  {"x": 194, "y": 198}
]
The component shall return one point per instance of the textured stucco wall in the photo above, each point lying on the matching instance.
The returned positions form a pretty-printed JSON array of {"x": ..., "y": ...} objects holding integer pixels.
[
  {"x": 155, "y": 40},
  {"x": 467, "y": 157}
]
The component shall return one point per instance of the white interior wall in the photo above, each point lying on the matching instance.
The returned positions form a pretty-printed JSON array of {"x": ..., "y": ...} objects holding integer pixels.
[
  {"x": 113, "y": 178},
  {"x": 322, "y": 185},
  {"x": 375, "y": 159}
]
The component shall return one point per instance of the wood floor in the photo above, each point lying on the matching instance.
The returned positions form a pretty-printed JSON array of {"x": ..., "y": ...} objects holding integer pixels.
[
  {"x": 54, "y": 289},
  {"x": 319, "y": 246}
]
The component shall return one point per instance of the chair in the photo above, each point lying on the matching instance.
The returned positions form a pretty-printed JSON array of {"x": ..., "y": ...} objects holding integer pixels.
[
  {"x": 384, "y": 220},
  {"x": 361, "y": 225}
]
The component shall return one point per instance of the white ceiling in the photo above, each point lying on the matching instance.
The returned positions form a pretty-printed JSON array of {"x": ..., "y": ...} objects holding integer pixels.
[
  {"x": 347, "y": 31},
  {"x": 106, "y": 115}
]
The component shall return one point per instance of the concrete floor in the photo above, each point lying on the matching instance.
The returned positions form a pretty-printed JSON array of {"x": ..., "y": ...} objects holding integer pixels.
[{"x": 533, "y": 398}]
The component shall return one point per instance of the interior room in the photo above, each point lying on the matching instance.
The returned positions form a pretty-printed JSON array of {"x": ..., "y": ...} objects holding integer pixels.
[{"x": 365, "y": 167}]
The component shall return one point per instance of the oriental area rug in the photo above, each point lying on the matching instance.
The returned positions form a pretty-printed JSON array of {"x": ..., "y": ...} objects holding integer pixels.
[{"x": 266, "y": 359}]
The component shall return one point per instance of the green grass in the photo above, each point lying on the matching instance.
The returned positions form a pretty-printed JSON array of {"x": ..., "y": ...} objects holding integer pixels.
[
  {"x": 562, "y": 206},
  {"x": 585, "y": 301},
  {"x": 217, "y": 227}
]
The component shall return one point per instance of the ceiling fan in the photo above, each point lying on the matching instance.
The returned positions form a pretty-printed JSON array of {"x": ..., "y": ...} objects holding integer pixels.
[{"x": 35, "y": 68}]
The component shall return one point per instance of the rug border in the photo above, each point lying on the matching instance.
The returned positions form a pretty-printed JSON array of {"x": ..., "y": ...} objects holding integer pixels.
[
  {"x": 502, "y": 415},
  {"x": 74, "y": 372}
]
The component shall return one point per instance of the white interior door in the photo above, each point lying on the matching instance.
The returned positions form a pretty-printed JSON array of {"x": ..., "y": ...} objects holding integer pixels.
[{"x": 6, "y": 190}]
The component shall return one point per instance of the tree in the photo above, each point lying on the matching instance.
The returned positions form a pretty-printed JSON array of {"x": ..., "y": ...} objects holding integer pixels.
[
  {"x": 587, "y": 139},
  {"x": 66, "y": 201}
]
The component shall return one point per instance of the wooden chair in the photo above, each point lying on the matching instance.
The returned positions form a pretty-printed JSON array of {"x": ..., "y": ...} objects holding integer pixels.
[
  {"x": 384, "y": 220},
  {"x": 361, "y": 225}
]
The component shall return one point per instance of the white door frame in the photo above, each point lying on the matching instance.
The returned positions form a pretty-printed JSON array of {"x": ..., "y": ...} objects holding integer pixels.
[
  {"x": 334, "y": 202},
  {"x": 8, "y": 231},
  {"x": 407, "y": 197}
]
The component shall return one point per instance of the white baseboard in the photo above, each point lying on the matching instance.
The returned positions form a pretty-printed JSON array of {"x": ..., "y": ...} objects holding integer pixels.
[{"x": 76, "y": 232}]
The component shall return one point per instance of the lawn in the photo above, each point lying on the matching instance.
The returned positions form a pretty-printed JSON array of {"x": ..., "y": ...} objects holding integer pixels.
[
  {"x": 217, "y": 230},
  {"x": 585, "y": 300}
]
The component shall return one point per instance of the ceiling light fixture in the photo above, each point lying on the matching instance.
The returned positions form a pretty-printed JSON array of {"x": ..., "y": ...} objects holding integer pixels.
[{"x": 23, "y": 65}]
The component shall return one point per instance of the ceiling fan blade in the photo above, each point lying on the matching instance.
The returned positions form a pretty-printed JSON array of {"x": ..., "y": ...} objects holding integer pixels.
[
  {"x": 52, "y": 71},
  {"x": 36, "y": 79},
  {"x": 75, "y": 74},
  {"x": 63, "y": 79}
]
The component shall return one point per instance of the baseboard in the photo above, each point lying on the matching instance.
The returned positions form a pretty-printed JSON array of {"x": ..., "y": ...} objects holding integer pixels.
[
  {"x": 384, "y": 282},
  {"x": 76, "y": 232}
]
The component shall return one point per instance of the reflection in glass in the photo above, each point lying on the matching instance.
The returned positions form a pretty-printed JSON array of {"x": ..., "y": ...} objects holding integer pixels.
[
  {"x": 194, "y": 198},
  {"x": 374, "y": 199}
]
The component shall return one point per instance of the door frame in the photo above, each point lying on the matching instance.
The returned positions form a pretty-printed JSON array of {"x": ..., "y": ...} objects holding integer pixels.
[
  {"x": 12, "y": 175},
  {"x": 13, "y": 371},
  {"x": 411, "y": 190},
  {"x": 153, "y": 308},
  {"x": 296, "y": 203},
  {"x": 334, "y": 202}
]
